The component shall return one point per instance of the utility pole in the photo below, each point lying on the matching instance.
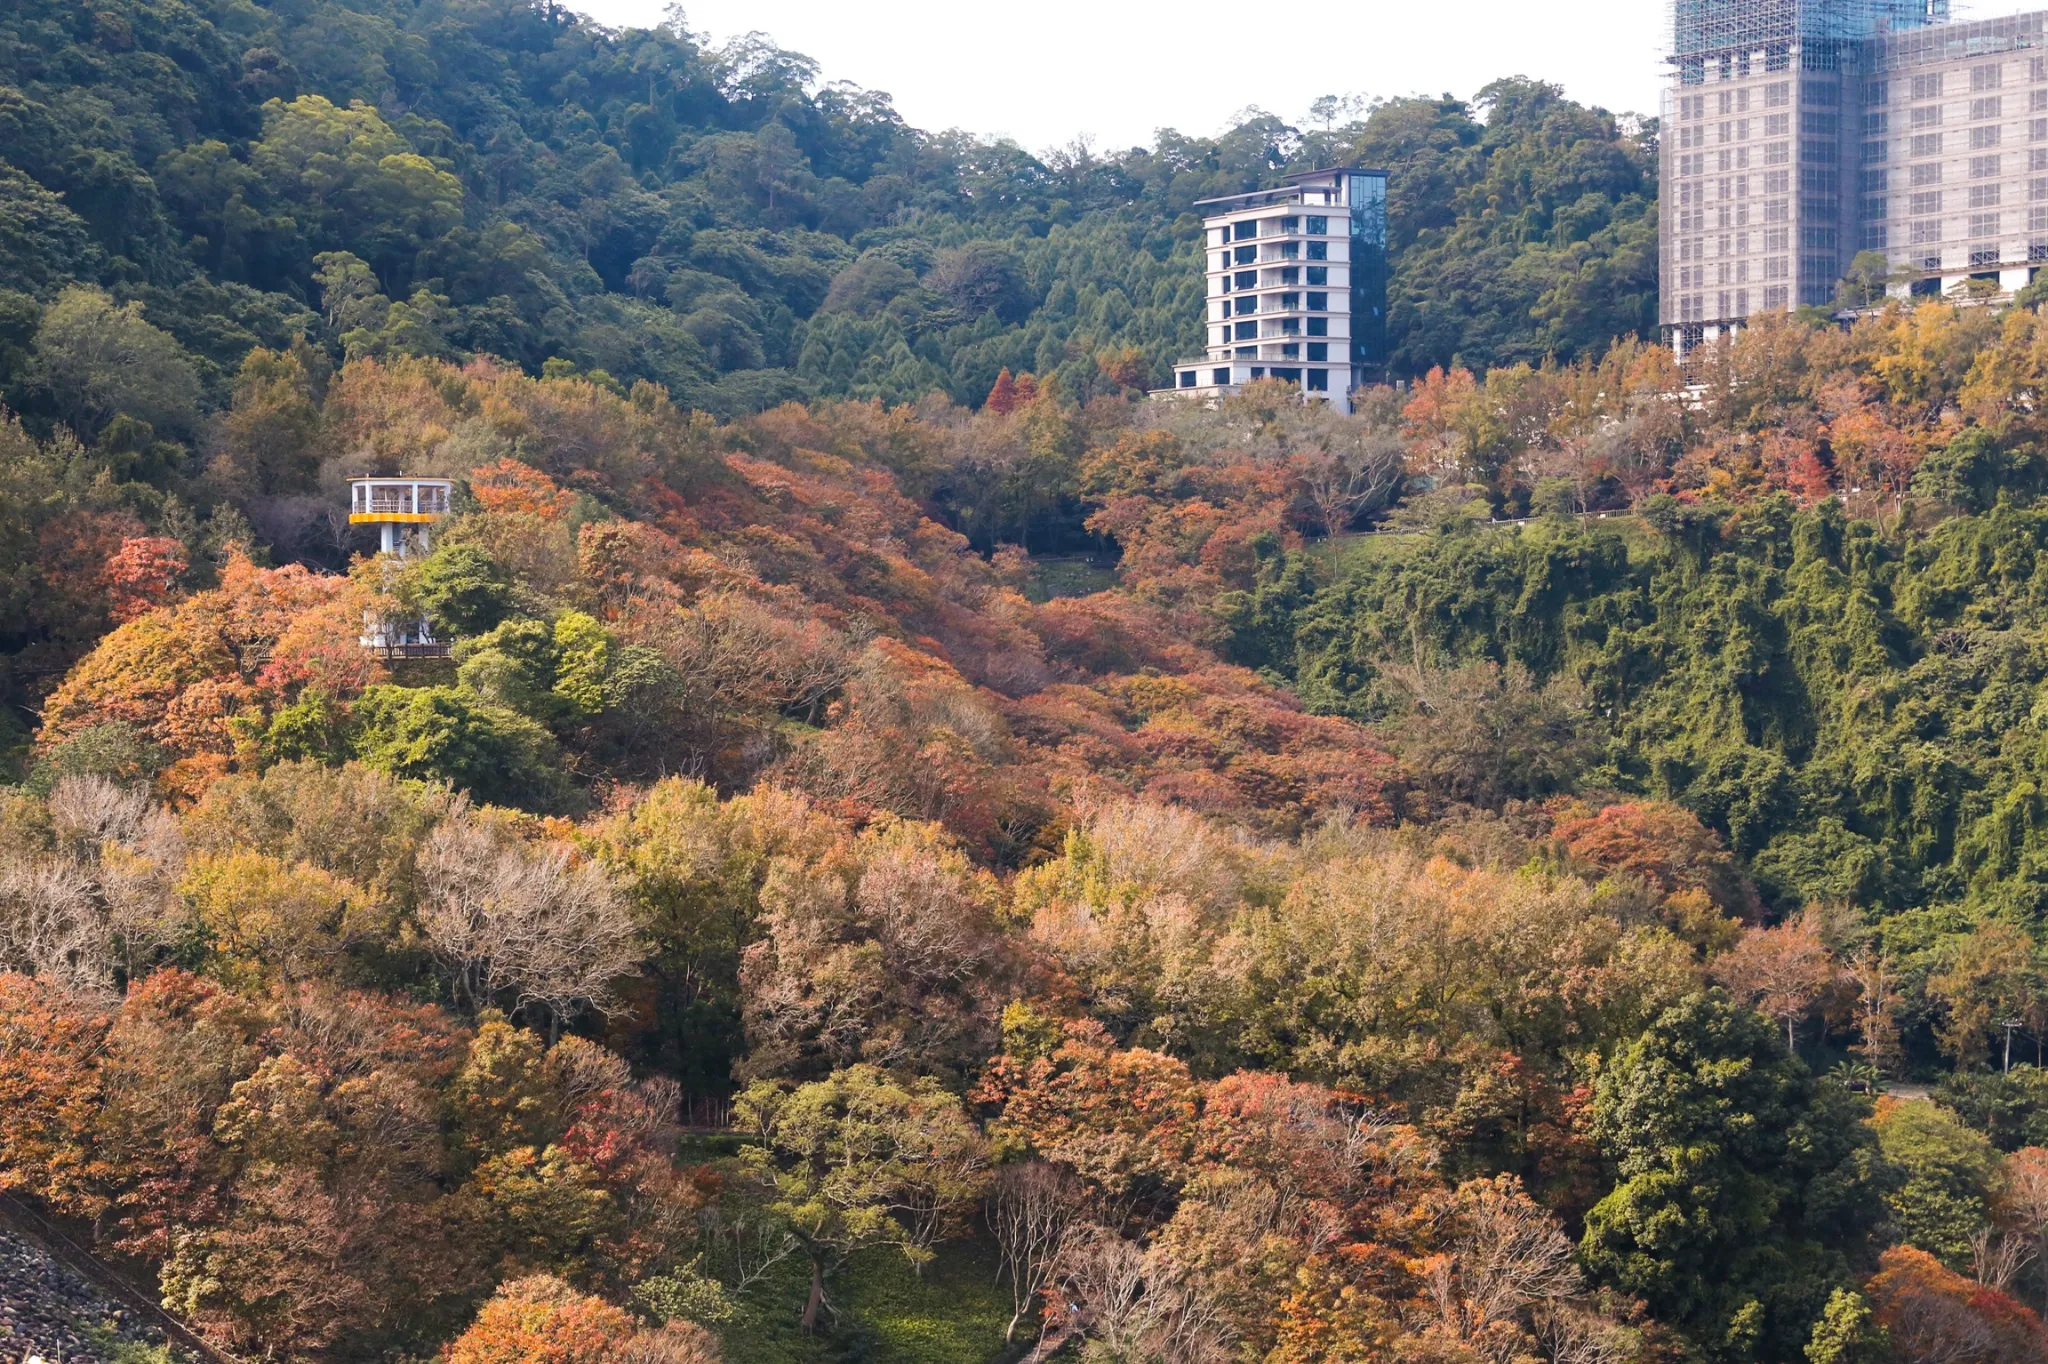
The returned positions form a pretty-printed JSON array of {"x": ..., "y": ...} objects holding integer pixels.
[{"x": 2008, "y": 1024}]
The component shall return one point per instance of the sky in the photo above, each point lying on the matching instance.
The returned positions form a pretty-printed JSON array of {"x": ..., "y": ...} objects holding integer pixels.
[{"x": 1112, "y": 72}]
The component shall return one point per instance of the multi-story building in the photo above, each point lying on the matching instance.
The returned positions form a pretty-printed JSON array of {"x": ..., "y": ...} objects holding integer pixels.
[
  {"x": 1297, "y": 287},
  {"x": 1797, "y": 133}
]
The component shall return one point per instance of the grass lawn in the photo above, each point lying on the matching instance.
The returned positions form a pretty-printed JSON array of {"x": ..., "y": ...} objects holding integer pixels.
[
  {"x": 1346, "y": 551},
  {"x": 1069, "y": 575},
  {"x": 954, "y": 1314}
]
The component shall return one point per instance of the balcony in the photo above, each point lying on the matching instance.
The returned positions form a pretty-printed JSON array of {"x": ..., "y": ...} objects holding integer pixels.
[{"x": 398, "y": 499}]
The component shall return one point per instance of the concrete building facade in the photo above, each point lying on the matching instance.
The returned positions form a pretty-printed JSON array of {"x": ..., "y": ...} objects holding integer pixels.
[
  {"x": 1296, "y": 287},
  {"x": 1797, "y": 133}
]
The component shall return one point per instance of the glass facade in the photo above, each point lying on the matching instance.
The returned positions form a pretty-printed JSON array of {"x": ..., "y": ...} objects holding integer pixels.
[{"x": 1368, "y": 195}]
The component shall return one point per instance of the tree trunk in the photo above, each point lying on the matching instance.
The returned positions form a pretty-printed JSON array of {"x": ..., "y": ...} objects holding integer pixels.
[{"x": 809, "y": 1320}]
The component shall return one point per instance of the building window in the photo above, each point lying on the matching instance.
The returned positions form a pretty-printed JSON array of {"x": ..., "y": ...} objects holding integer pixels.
[
  {"x": 1876, "y": 123},
  {"x": 1874, "y": 181},
  {"x": 1318, "y": 303},
  {"x": 1289, "y": 302},
  {"x": 1817, "y": 123},
  {"x": 1775, "y": 94},
  {"x": 2038, "y": 130},
  {"x": 1983, "y": 167},
  {"x": 1318, "y": 350},
  {"x": 1246, "y": 305},
  {"x": 1982, "y": 109},
  {"x": 1246, "y": 230},
  {"x": 1291, "y": 351},
  {"x": 1290, "y": 225},
  {"x": 1777, "y": 153},
  {"x": 1984, "y": 196},
  {"x": 1925, "y": 175},
  {"x": 1984, "y": 224},
  {"x": 1247, "y": 331},
  {"x": 1928, "y": 231},
  {"x": 1779, "y": 125},
  {"x": 1928, "y": 116},
  {"x": 1775, "y": 239},
  {"x": 1317, "y": 226},
  {"x": 1221, "y": 376},
  {"x": 1877, "y": 151},
  {"x": 1290, "y": 274},
  {"x": 2037, "y": 220},
  {"x": 1926, "y": 144},
  {"x": 1877, "y": 92},
  {"x": 1318, "y": 274},
  {"x": 1776, "y": 299},
  {"x": 1817, "y": 238},
  {"x": 1318, "y": 250},
  {"x": 1247, "y": 279},
  {"x": 1817, "y": 151},
  {"x": 1984, "y": 255},
  {"x": 1980, "y": 138},
  {"x": 1918, "y": 204},
  {"x": 1187, "y": 378},
  {"x": 1247, "y": 255},
  {"x": 1874, "y": 209},
  {"x": 1774, "y": 267},
  {"x": 2037, "y": 251},
  {"x": 1873, "y": 237},
  {"x": 2037, "y": 102},
  {"x": 1985, "y": 77},
  {"x": 2039, "y": 69},
  {"x": 1319, "y": 326},
  {"x": 1777, "y": 211},
  {"x": 1318, "y": 379}
]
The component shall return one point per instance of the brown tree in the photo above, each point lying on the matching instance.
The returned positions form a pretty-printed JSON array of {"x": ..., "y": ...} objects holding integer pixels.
[{"x": 1782, "y": 972}]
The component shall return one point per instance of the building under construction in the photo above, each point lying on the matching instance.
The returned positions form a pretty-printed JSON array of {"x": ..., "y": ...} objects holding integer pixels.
[{"x": 1797, "y": 133}]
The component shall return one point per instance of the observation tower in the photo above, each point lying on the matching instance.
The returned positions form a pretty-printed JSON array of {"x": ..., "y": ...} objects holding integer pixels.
[{"x": 404, "y": 510}]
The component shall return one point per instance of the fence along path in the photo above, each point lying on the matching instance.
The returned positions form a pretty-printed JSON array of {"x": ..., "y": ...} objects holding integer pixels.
[{"x": 21, "y": 1218}]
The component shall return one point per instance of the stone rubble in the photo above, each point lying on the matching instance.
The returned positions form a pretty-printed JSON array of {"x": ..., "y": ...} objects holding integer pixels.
[{"x": 46, "y": 1310}]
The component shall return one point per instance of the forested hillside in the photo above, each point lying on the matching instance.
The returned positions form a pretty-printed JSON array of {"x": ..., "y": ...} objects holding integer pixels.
[
  {"x": 781, "y": 931},
  {"x": 916, "y": 854},
  {"x": 493, "y": 177}
]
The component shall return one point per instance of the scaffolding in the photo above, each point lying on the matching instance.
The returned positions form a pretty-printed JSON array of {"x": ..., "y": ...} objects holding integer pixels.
[
  {"x": 1963, "y": 39},
  {"x": 1731, "y": 34}
]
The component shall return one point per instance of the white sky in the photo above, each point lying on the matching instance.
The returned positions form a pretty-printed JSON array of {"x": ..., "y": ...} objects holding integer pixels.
[{"x": 1049, "y": 70}]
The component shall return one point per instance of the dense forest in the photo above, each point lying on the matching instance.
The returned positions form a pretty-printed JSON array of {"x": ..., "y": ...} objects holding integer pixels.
[
  {"x": 496, "y": 177},
  {"x": 917, "y": 854}
]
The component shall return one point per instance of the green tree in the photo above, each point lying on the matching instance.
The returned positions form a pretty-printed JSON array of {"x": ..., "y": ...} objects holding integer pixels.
[
  {"x": 1744, "y": 1188},
  {"x": 349, "y": 178},
  {"x": 861, "y": 1159},
  {"x": 98, "y": 360},
  {"x": 461, "y": 589},
  {"x": 447, "y": 734},
  {"x": 1948, "y": 1174},
  {"x": 1847, "y": 1333}
]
